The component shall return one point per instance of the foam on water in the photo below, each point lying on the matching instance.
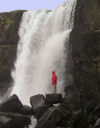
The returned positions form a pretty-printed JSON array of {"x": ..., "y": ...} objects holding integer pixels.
[{"x": 42, "y": 47}]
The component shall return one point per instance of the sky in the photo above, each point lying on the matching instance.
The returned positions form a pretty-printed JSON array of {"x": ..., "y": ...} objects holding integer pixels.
[{"x": 10, "y": 5}]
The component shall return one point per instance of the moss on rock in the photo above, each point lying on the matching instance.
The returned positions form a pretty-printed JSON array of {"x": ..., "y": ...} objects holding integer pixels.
[{"x": 9, "y": 24}]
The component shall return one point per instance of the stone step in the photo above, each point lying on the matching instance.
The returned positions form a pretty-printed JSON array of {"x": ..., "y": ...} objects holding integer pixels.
[
  {"x": 39, "y": 105},
  {"x": 54, "y": 98}
]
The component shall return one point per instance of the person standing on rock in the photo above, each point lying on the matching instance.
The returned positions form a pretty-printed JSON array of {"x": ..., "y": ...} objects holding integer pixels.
[{"x": 54, "y": 81}]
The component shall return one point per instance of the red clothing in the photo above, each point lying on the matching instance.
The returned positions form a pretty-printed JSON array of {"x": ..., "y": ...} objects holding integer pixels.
[{"x": 54, "y": 78}]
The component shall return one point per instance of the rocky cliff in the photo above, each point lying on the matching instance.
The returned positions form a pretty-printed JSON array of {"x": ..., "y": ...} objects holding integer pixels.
[
  {"x": 85, "y": 42},
  {"x": 9, "y": 24},
  {"x": 82, "y": 108},
  {"x": 85, "y": 45}
]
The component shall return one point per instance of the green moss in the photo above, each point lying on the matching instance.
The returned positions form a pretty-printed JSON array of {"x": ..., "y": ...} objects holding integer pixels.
[
  {"x": 70, "y": 76},
  {"x": 9, "y": 21}
]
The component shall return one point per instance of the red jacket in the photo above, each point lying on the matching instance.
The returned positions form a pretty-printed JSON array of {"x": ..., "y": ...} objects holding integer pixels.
[{"x": 54, "y": 78}]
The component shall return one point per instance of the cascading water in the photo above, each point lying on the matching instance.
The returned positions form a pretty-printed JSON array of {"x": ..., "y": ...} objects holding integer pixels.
[{"x": 44, "y": 36}]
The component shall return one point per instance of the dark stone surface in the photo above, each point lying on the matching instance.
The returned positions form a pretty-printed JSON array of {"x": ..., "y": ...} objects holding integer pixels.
[
  {"x": 97, "y": 124},
  {"x": 12, "y": 120},
  {"x": 71, "y": 102},
  {"x": 85, "y": 60},
  {"x": 84, "y": 40},
  {"x": 14, "y": 105},
  {"x": 9, "y": 25},
  {"x": 28, "y": 110},
  {"x": 85, "y": 47},
  {"x": 50, "y": 118},
  {"x": 39, "y": 105},
  {"x": 53, "y": 98},
  {"x": 96, "y": 112}
]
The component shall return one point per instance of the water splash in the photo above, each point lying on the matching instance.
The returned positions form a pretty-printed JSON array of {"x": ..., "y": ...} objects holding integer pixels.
[{"x": 41, "y": 49}]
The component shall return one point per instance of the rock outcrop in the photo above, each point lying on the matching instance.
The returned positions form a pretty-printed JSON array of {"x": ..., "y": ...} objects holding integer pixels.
[
  {"x": 50, "y": 118},
  {"x": 53, "y": 98},
  {"x": 13, "y": 120},
  {"x": 81, "y": 107},
  {"x": 12, "y": 112},
  {"x": 39, "y": 105},
  {"x": 84, "y": 40},
  {"x": 85, "y": 46},
  {"x": 9, "y": 24},
  {"x": 14, "y": 105}
]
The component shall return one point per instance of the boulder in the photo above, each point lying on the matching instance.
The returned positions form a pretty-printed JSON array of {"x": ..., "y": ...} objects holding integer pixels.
[
  {"x": 13, "y": 105},
  {"x": 66, "y": 121},
  {"x": 12, "y": 120},
  {"x": 39, "y": 105},
  {"x": 50, "y": 119},
  {"x": 53, "y": 98}
]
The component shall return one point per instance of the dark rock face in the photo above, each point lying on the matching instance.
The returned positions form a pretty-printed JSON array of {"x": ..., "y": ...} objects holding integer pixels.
[
  {"x": 28, "y": 110},
  {"x": 50, "y": 118},
  {"x": 53, "y": 98},
  {"x": 85, "y": 43},
  {"x": 9, "y": 24},
  {"x": 70, "y": 102},
  {"x": 47, "y": 115},
  {"x": 97, "y": 124},
  {"x": 38, "y": 104},
  {"x": 96, "y": 112},
  {"x": 11, "y": 120},
  {"x": 14, "y": 105},
  {"x": 85, "y": 70}
]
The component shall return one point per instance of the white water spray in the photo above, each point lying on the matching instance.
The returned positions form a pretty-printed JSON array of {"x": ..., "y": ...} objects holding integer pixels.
[{"x": 43, "y": 40}]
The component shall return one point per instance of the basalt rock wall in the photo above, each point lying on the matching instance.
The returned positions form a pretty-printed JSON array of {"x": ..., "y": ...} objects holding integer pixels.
[
  {"x": 85, "y": 45},
  {"x": 9, "y": 24}
]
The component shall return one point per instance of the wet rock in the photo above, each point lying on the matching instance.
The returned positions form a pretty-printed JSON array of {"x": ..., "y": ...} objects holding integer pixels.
[
  {"x": 50, "y": 118},
  {"x": 96, "y": 112},
  {"x": 14, "y": 105},
  {"x": 39, "y": 105},
  {"x": 12, "y": 120},
  {"x": 28, "y": 110},
  {"x": 76, "y": 115},
  {"x": 97, "y": 124},
  {"x": 66, "y": 121},
  {"x": 80, "y": 119},
  {"x": 70, "y": 102},
  {"x": 53, "y": 98},
  {"x": 85, "y": 40},
  {"x": 91, "y": 105}
]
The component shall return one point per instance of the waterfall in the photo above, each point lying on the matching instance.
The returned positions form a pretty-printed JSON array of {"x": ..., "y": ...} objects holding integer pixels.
[{"x": 42, "y": 47}]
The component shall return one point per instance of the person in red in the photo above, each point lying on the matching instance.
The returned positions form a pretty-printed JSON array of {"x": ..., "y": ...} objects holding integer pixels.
[{"x": 54, "y": 81}]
